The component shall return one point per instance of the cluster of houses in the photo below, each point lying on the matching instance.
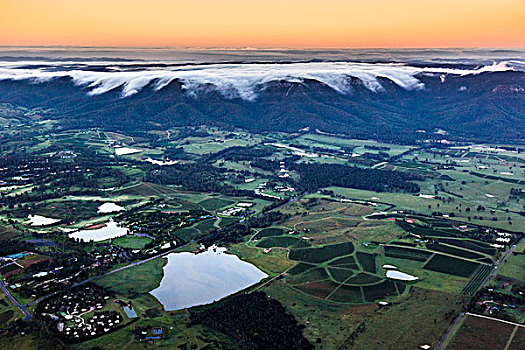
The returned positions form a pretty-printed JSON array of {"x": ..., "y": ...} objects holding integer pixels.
[
  {"x": 101, "y": 323},
  {"x": 502, "y": 240},
  {"x": 240, "y": 209},
  {"x": 69, "y": 311},
  {"x": 46, "y": 281},
  {"x": 259, "y": 190},
  {"x": 504, "y": 299}
]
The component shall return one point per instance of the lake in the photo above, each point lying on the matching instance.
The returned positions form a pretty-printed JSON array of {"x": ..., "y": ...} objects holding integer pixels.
[
  {"x": 198, "y": 279},
  {"x": 111, "y": 230}
]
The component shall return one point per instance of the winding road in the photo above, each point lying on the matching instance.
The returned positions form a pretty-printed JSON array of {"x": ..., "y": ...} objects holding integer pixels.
[
  {"x": 447, "y": 333},
  {"x": 107, "y": 274},
  {"x": 14, "y": 301}
]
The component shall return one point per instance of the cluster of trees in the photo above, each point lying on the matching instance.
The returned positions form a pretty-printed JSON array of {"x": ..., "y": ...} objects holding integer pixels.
[
  {"x": 174, "y": 152},
  {"x": 84, "y": 174},
  {"x": 380, "y": 156},
  {"x": 377, "y": 148},
  {"x": 12, "y": 246},
  {"x": 199, "y": 177},
  {"x": 235, "y": 232},
  {"x": 265, "y": 164},
  {"x": 394, "y": 115},
  {"x": 502, "y": 301},
  {"x": 255, "y": 322},
  {"x": 240, "y": 153},
  {"x": 315, "y": 176}
]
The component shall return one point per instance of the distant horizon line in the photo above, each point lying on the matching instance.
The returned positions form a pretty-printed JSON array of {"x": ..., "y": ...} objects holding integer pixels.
[{"x": 248, "y": 48}]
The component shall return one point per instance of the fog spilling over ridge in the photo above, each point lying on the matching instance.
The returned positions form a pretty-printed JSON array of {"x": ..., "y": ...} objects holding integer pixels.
[
  {"x": 380, "y": 94},
  {"x": 234, "y": 80}
]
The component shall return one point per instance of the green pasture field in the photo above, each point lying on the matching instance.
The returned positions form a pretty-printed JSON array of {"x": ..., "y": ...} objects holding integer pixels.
[
  {"x": 380, "y": 232},
  {"x": 227, "y": 221},
  {"x": 416, "y": 320},
  {"x": 473, "y": 195},
  {"x": 250, "y": 186},
  {"x": 146, "y": 190},
  {"x": 283, "y": 241},
  {"x": 187, "y": 233},
  {"x": 202, "y": 146},
  {"x": 215, "y": 203},
  {"x": 327, "y": 141},
  {"x": 270, "y": 231},
  {"x": 177, "y": 334},
  {"x": 514, "y": 265},
  {"x": 427, "y": 279},
  {"x": 272, "y": 263},
  {"x": 137, "y": 280},
  {"x": 206, "y": 225},
  {"x": 26, "y": 342},
  {"x": 331, "y": 322},
  {"x": 8, "y": 312},
  {"x": 131, "y": 242}
]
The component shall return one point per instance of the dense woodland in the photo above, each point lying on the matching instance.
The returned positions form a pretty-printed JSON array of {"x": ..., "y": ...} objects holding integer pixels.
[
  {"x": 255, "y": 321},
  {"x": 315, "y": 176}
]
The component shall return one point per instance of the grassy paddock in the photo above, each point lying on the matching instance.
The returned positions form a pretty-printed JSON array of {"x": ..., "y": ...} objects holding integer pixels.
[
  {"x": 136, "y": 280},
  {"x": 131, "y": 242}
]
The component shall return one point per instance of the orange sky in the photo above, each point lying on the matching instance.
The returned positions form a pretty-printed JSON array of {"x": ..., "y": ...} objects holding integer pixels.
[{"x": 264, "y": 23}]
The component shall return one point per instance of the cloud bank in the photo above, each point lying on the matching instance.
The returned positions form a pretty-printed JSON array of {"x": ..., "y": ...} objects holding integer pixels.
[{"x": 240, "y": 80}]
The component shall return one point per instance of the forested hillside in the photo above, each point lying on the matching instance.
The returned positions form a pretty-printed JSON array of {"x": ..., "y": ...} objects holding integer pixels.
[{"x": 487, "y": 106}]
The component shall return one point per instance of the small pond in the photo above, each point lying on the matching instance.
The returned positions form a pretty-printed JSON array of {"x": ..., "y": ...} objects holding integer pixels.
[
  {"x": 111, "y": 230},
  {"x": 39, "y": 220},
  {"x": 109, "y": 208}
]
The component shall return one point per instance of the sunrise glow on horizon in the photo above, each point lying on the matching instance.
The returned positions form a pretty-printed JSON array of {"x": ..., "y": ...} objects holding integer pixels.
[{"x": 264, "y": 24}]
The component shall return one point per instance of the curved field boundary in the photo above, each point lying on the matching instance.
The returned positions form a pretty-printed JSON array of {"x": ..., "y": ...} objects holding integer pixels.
[
  {"x": 403, "y": 252},
  {"x": 321, "y": 254},
  {"x": 452, "y": 265}
]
